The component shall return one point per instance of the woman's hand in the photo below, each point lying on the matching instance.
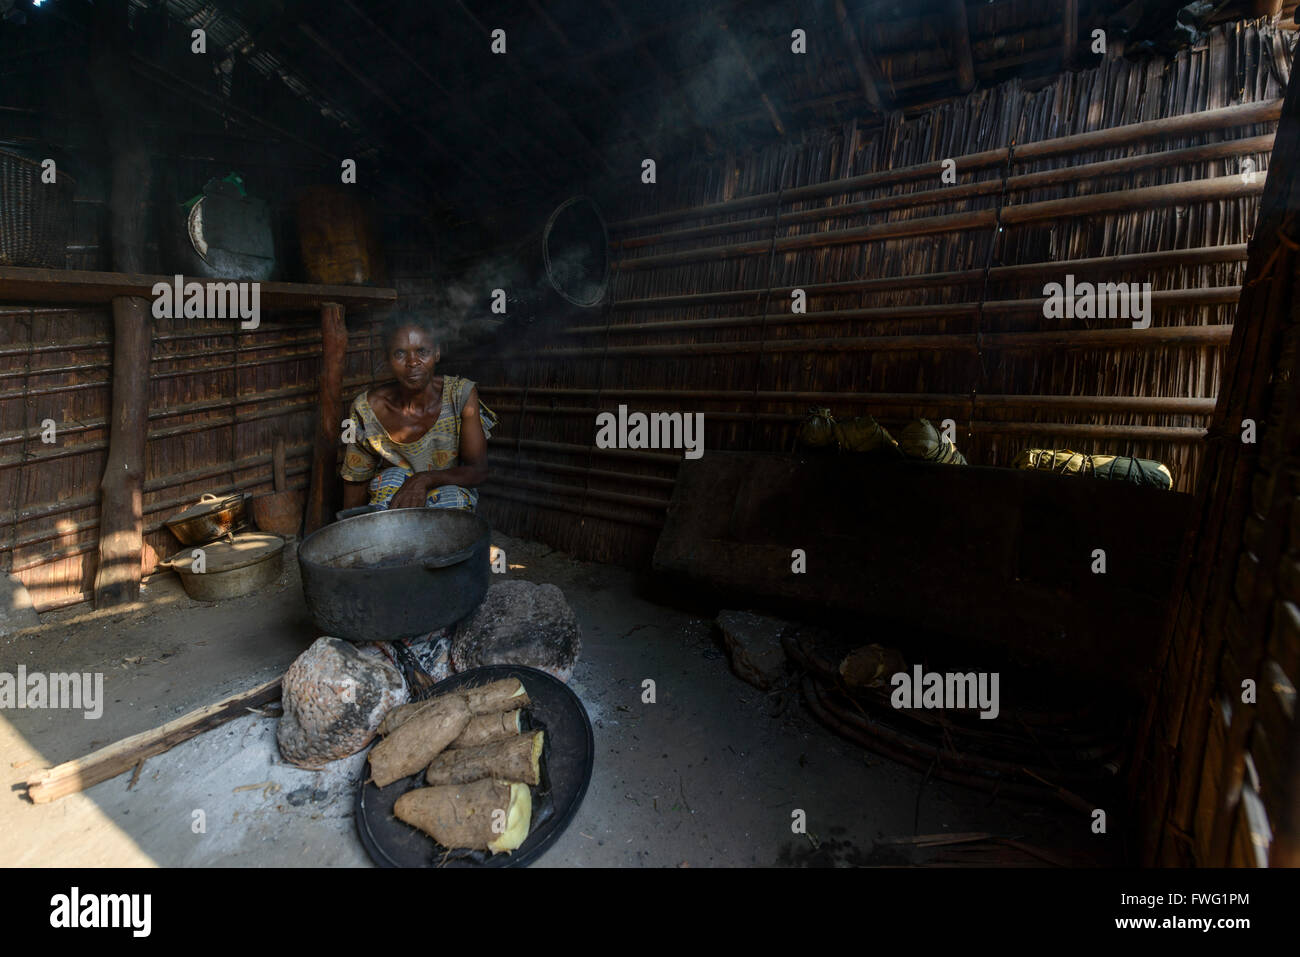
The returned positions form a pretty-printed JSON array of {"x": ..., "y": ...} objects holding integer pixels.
[{"x": 412, "y": 494}]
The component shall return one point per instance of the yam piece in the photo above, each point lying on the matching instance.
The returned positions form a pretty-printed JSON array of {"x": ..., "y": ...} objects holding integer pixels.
[
  {"x": 483, "y": 815},
  {"x": 515, "y": 759},
  {"x": 487, "y": 728},
  {"x": 395, "y": 718},
  {"x": 493, "y": 699},
  {"x": 419, "y": 739},
  {"x": 504, "y": 695}
]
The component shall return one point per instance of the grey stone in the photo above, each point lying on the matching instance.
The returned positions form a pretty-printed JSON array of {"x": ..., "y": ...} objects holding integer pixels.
[
  {"x": 520, "y": 623},
  {"x": 754, "y": 643},
  {"x": 300, "y": 796},
  {"x": 16, "y": 609},
  {"x": 334, "y": 698}
]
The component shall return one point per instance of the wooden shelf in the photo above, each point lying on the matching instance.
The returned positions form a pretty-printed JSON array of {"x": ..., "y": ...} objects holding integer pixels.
[{"x": 23, "y": 285}]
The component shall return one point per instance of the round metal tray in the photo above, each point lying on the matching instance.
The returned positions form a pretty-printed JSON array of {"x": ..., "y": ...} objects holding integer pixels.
[{"x": 567, "y": 761}]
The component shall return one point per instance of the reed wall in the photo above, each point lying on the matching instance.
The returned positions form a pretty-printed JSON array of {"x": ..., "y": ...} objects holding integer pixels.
[
  {"x": 1216, "y": 777},
  {"x": 218, "y": 398},
  {"x": 925, "y": 298}
]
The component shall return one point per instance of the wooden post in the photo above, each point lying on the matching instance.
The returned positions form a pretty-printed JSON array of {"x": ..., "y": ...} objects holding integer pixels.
[
  {"x": 324, "y": 483},
  {"x": 121, "y": 511},
  {"x": 121, "y": 515}
]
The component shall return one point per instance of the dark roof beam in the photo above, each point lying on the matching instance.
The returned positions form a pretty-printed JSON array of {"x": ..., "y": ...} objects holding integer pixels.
[
  {"x": 393, "y": 106},
  {"x": 1036, "y": 35},
  {"x": 490, "y": 135},
  {"x": 551, "y": 105},
  {"x": 866, "y": 76},
  {"x": 628, "y": 41},
  {"x": 226, "y": 110},
  {"x": 961, "y": 45},
  {"x": 665, "y": 82},
  {"x": 748, "y": 67},
  {"x": 594, "y": 80},
  {"x": 830, "y": 100},
  {"x": 1069, "y": 32},
  {"x": 272, "y": 30}
]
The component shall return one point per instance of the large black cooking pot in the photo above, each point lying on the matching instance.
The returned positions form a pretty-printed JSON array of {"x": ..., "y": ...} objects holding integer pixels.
[{"x": 395, "y": 574}]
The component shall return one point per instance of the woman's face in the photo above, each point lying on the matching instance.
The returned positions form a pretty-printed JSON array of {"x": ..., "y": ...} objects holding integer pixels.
[{"x": 412, "y": 353}]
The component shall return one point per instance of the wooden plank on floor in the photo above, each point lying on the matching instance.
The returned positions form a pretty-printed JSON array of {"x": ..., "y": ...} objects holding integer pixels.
[{"x": 112, "y": 760}]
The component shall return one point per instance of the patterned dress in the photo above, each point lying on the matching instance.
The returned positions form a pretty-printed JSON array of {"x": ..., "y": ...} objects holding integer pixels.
[{"x": 376, "y": 458}]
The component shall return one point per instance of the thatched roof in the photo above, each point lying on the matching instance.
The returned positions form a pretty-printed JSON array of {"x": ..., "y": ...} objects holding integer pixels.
[{"x": 585, "y": 90}]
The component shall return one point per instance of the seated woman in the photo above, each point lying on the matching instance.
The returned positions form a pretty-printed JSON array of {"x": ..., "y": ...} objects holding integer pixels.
[{"x": 421, "y": 440}]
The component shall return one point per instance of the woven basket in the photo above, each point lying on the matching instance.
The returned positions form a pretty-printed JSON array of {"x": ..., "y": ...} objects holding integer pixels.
[{"x": 35, "y": 217}]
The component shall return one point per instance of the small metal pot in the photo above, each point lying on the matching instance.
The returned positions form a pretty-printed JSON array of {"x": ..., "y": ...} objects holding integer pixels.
[
  {"x": 209, "y": 519},
  {"x": 238, "y": 566}
]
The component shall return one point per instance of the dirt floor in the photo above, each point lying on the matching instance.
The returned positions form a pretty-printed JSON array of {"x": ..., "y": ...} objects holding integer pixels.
[{"x": 709, "y": 775}]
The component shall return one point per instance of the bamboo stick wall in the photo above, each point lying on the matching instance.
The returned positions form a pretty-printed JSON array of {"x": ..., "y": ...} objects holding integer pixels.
[
  {"x": 919, "y": 304},
  {"x": 1217, "y": 774},
  {"x": 218, "y": 398}
]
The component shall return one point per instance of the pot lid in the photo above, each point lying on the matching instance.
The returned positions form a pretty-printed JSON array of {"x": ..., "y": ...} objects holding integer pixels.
[
  {"x": 225, "y": 221},
  {"x": 227, "y": 554},
  {"x": 199, "y": 509}
]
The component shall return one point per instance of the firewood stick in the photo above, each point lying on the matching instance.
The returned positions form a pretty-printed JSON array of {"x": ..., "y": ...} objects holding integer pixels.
[{"x": 114, "y": 759}]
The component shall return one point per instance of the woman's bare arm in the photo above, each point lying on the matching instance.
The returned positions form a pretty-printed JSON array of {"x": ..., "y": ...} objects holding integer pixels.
[
  {"x": 473, "y": 445},
  {"x": 355, "y": 494}
]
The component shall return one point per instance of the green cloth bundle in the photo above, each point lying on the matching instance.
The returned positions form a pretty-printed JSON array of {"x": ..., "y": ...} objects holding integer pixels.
[
  {"x": 921, "y": 440},
  {"x": 859, "y": 434},
  {"x": 1116, "y": 468},
  {"x": 864, "y": 434},
  {"x": 818, "y": 430}
]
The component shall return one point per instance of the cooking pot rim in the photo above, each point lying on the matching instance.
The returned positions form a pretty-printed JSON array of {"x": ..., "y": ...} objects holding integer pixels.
[{"x": 304, "y": 547}]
